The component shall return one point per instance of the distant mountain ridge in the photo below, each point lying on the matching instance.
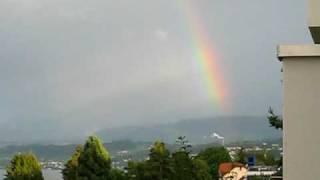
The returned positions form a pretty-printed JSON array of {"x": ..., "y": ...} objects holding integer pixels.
[{"x": 238, "y": 128}]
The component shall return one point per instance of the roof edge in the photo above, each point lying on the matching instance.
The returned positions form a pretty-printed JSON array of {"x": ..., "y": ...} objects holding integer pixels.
[{"x": 285, "y": 51}]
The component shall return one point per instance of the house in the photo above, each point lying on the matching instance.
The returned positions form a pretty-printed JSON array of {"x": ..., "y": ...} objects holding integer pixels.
[{"x": 233, "y": 171}]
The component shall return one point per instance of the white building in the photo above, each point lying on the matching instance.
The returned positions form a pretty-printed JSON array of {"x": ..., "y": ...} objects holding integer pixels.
[{"x": 301, "y": 108}]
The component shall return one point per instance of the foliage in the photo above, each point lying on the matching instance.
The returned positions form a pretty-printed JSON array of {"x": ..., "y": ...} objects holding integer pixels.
[
  {"x": 24, "y": 167},
  {"x": 274, "y": 120},
  {"x": 182, "y": 166},
  {"x": 158, "y": 164},
  {"x": 70, "y": 172},
  {"x": 184, "y": 144},
  {"x": 214, "y": 157},
  {"x": 94, "y": 161},
  {"x": 161, "y": 166},
  {"x": 137, "y": 171},
  {"x": 241, "y": 156},
  {"x": 201, "y": 170},
  {"x": 185, "y": 167},
  {"x": 117, "y": 174},
  {"x": 269, "y": 159},
  {"x": 265, "y": 158}
]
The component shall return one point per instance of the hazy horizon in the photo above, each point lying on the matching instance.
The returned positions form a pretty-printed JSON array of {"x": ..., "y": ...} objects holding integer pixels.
[{"x": 71, "y": 67}]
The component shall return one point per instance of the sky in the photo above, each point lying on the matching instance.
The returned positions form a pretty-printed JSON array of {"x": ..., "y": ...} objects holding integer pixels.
[{"x": 71, "y": 67}]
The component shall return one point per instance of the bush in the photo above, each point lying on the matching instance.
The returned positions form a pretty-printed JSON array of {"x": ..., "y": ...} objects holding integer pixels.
[{"x": 24, "y": 167}]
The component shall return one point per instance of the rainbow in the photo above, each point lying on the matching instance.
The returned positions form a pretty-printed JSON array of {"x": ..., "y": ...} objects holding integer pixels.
[{"x": 204, "y": 54}]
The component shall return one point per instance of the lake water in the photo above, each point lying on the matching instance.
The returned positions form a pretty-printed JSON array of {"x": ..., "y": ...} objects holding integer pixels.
[{"x": 48, "y": 174}]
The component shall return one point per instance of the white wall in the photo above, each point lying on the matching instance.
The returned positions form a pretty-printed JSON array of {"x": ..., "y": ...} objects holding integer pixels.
[{"x": 301, "y": 113}]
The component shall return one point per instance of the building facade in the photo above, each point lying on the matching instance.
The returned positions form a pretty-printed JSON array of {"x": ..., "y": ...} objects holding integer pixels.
[{"x": 301, "y": 103}]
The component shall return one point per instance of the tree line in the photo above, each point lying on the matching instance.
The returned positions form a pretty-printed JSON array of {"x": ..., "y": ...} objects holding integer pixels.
[{"x": 92, "y": 161}]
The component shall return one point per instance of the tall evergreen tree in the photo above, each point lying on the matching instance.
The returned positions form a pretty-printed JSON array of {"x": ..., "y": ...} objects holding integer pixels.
[
  {"x": 159, "y": 162},
  {"x": 182, "y": 166},
  {"x": 94, "y": 161},
  {"x": 184, "y": 144},
  {"x": 24, "y": 167},
  {"x": 70, "y": 171}
]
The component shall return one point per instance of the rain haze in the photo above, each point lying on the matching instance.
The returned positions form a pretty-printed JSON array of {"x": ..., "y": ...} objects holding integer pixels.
[{"x": 69, "y": 68}]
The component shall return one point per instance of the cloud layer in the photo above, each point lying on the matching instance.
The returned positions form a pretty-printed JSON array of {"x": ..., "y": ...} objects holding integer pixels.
[{"x": 75, "y": 66}]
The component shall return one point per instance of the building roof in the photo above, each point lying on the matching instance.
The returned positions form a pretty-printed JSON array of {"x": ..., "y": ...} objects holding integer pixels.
[
  {"x": 225, "y": 168},
  {"x": 285, "y": 51}
]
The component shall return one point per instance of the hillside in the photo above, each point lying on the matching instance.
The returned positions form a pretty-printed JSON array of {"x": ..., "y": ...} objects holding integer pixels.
[{"x": 232, "y": 128}]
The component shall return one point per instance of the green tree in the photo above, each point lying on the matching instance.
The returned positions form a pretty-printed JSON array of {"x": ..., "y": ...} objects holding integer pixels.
[
  {"x": 274, "y": 120},
  {"x": 182, "y": 166},
  {"x": 137, "y": 171},
  {"x": 241, "y": 156},
  {"x": 117, "y": 174},
  {"x": 214, "y": 157},
  {"x": 265, "y": 158},
  {"x": 70, "y": 172},
  {"x": 184, "y": 144},
  {"x": 24, "y": 167},
  {"x": 158, "y": 165},
  {"x": 201, "y": 170},
  {"x": 185, "y": 167},
  {"x": 94, "y": 161},
  {"x": 268, "y": 159}
]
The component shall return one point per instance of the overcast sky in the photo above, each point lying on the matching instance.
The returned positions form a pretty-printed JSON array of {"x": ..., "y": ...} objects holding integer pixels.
[{"x": 70, "y": 67}]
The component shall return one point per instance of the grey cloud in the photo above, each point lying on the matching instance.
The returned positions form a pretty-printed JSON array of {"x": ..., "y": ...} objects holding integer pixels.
[{"x": 84, "y": 65}]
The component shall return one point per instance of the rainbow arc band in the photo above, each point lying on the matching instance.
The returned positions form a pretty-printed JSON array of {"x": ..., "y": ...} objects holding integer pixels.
[{"x": 204, "y": 54}]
